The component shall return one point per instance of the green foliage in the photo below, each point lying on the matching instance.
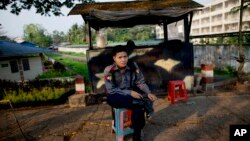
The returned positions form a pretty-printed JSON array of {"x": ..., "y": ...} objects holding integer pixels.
[
  {"x": 75, "y": 66},
  {"x": 231, "y": 40},
  {"x": 36, "y": 33},
  {"x": 58, "y": 37},
  {"x": 76, "y": 34},
  {"x": 44, "y": 7},
  {"x": 54, "y": 73},
  {"x": 35, "y": 95},
  {"x": 36, "y": 92},
  {"x": 125, "y": 34}
]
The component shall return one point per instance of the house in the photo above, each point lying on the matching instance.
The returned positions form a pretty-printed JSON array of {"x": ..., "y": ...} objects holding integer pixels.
[{"x": 20, "y": 62}]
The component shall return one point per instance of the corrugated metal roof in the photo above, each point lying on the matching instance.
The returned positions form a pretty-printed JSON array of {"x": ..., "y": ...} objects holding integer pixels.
[{"x": 9, "y": 49}]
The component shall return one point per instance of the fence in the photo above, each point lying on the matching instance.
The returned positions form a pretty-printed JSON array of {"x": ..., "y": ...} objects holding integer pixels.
[{"x": 220, "y": 55}]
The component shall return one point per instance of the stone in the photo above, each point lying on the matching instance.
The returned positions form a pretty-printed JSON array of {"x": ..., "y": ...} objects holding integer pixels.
[{"x": 77, "y": 100}]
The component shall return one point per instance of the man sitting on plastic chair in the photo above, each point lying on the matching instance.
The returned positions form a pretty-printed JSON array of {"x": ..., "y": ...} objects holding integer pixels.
[{"x": 127, "y": 89}]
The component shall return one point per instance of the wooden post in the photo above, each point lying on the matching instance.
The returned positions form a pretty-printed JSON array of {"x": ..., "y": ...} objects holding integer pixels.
[
  {"x": 89, "y": 36},
  {"x": 165, "y": 29},
  {"x": 186, "y": 29}
]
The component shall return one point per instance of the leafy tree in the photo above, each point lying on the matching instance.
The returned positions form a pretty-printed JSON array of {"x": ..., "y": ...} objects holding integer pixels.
[
  {"x": 58, "y": 37},
  {"x": 44, "y": 7},
  {"x": 37, "y": 34},
  {"x": 76, "y": 34},
  {"x": 136, "y": 33},
  {"x": 241, "y": 59}
]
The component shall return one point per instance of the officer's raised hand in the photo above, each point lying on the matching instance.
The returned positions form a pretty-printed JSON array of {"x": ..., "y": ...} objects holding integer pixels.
[{"x": 136, "y": 95}]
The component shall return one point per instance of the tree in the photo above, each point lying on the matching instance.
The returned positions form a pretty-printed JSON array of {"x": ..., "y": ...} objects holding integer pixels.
[
  {"x": 76, "y": 34},
  {"x": 44, "y": 7},
  {"x": 241, "y": 59},
  {"x": 37, "y": 34},
  {"x": 58, "y": 37}
]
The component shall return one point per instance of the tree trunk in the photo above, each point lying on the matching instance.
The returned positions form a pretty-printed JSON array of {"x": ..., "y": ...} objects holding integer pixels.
[{"x": 241, "y": 58}]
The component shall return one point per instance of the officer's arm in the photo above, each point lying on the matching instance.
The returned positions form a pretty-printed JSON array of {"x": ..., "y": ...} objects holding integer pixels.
[
  {"x": 110, "y": 86},
  {"x": 140, "y": 82}
]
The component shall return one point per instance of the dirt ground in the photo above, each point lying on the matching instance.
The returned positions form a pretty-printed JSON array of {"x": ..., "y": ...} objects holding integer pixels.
[{"x": 204, "y": 117}]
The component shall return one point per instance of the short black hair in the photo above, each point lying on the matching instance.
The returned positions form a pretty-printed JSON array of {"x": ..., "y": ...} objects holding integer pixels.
[{"x": 119, "y": 48}]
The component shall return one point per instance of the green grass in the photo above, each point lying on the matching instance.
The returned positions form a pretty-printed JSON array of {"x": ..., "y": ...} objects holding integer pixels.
[
  {"x": 54, "y": 73},
  {"x": 74, "y": 54},
  {"x": 75, "y": 66}
]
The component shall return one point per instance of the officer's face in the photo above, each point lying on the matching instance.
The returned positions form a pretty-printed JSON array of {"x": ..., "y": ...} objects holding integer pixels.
[{"x": 121, "y": 59}]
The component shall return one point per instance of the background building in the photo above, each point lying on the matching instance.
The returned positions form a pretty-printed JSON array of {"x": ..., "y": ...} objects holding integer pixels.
[{"x": 218, "y": 18}]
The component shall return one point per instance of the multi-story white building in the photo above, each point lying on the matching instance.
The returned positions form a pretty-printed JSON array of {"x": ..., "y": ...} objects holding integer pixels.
[
  {"x": 214, "y": 18},
  {"x": 217, "y": 18}
]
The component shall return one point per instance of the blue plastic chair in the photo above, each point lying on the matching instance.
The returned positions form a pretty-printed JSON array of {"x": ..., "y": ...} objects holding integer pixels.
[{"x": 119, "y": 124}]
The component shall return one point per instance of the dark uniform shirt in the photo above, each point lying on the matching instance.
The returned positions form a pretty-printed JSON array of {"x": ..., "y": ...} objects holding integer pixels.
[{"x": 122, "y": 82}]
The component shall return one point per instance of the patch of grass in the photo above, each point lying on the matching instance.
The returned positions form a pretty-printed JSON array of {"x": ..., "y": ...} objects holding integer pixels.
[
  {"x": 54, "y": 73},
  {"x": 75, "y": 66},
  {"x": 74, "y": 54}
]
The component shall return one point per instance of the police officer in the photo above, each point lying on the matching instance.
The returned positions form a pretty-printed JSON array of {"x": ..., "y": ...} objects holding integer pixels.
[{"x": 127, "y": 89}]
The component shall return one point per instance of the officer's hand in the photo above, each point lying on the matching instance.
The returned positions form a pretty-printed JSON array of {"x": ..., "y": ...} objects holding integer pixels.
[
  {"x": 136, "y": 95},
  {"x": 152, "y": 97}
]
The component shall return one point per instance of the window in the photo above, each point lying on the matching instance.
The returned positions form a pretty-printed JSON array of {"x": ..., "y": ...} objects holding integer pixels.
[
  {"x": 14, "y": 66},
  {"x": 4, "y": 65},
  {"x": 26, "y": 65}
]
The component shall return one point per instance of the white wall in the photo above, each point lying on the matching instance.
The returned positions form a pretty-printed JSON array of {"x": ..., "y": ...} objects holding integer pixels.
[
  {"x": 36, "y": 68},
  {"x": 5, "y": 72},
  {"x": 76, "y": 50}
]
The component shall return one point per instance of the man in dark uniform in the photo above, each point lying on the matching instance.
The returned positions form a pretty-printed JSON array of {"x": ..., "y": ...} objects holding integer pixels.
[{"x": 127, "y": 89}]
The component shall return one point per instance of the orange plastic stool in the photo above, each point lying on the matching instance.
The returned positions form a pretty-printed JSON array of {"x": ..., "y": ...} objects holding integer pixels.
[{"x": 177, "y": 91}]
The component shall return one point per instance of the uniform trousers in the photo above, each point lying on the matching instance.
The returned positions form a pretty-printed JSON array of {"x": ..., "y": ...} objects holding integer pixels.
[{"x": 126, "y": 101}]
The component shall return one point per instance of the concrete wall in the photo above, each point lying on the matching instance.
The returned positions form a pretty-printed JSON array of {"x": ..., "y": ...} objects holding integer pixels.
[
  {"x": 36, "y": 68},
  {"x": 35, "y": 64},
  {"x": 76, "y": 50},
  {"x": 5, "y": 72},
  {"x": 220, "y": 55}
]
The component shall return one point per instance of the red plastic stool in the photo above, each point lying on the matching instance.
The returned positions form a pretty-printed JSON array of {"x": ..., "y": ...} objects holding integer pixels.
[{"x": 177, "y": 91}]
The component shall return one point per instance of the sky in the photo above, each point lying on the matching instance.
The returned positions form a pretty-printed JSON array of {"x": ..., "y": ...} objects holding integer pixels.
[{"x": 13, "y": 25}]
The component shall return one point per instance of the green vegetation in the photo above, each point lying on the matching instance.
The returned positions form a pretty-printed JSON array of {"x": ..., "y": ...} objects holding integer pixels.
[
  {"x": 74, "y": 66},
  {"x": 74, "y": 54},
  {"x": 135, "y": 33},
  {"x": 35, "y": 33},
  {"x": 46, "y": 94},
  {"x": 36, "y": 92},
  {"x": 54, "y": 73}
]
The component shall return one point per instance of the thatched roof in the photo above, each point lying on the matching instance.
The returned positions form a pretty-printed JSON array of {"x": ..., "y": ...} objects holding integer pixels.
[{"x": 127, "y": 14}]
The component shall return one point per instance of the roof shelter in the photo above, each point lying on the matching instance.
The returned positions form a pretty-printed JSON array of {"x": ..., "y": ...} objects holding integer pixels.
[
  {"x": 131, "y": 13},
  {"x": 170, "y": 60}
]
